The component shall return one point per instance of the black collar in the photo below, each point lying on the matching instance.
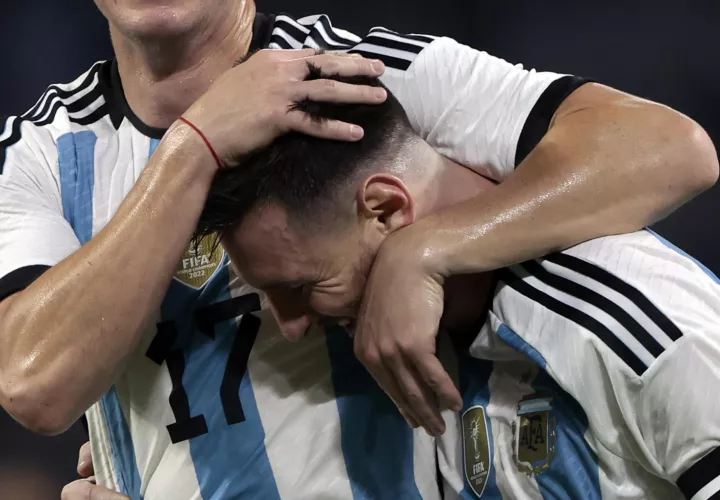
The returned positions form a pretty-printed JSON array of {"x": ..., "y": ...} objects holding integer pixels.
[{"x": 115, "y": 97}]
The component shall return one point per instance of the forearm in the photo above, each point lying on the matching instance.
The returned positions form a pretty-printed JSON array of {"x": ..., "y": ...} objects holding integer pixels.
[
  {"x": 65, "y": 338},
  {"x": 603, "y": 168}
]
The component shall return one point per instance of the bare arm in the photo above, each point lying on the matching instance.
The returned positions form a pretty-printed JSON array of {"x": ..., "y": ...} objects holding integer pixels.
[
  {"x": 610, "y": 163},
  {"x": 69, "y": 326},
  {"x": 65, "y": 338}
]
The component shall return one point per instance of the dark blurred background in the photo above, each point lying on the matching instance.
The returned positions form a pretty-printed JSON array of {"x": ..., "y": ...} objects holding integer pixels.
[{"x": 661, "y": 50}]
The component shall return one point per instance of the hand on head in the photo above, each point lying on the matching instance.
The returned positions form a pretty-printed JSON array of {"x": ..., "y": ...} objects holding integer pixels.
[{"x": 254, "y": 103}]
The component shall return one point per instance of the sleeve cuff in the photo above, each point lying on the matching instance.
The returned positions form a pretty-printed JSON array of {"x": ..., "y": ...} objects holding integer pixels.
[
  {"x": 20, "y": 279},
  {"x": 539, "y": 119},
  {"x": 702, "y": 480}
]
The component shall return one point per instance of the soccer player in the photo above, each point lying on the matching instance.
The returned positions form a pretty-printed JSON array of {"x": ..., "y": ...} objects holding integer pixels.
[
  {"x": 590, "y": 373},
  {"x": 104, "y": 299}
]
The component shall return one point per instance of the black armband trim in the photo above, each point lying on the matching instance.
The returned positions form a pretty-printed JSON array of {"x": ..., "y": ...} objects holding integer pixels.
[
  {"x": 538, "y": 121},
  {"x": 20, "y": 279},
  {"x": 701, "y": 474}
]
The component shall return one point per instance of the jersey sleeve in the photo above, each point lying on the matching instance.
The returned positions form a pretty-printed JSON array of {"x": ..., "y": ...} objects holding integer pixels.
[
  {"x": 476, "y": 109},
  {"x": 674, "y": 302},
  {"x": 34, "y": 235}
]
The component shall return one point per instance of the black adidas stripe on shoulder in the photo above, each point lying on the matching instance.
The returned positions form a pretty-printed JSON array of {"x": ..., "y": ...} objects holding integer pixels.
[
  {"x": 611, "y": 281},
  {"x": 702, "y": 480},
  {"x": 394, "y": 49},
  {"x": 518, "y": 284},
  {"x": 614, "y": 310},
  {"x": 53, "y": 99}
]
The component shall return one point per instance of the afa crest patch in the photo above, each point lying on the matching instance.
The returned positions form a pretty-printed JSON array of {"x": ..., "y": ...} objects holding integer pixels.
[
  {"x": 534, "y": 434},
  {"x": 200, "y": 262},
  {"x": 476, "y": 449}
]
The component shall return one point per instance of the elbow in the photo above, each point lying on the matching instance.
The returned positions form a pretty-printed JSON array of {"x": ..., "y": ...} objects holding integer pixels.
[
  {"x": 694, "y": 160},
  {"x": 35, "y": 405}
]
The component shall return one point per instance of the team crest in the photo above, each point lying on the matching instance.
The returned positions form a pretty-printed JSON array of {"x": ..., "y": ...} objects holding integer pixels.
[
  {"x": 200, "y": 262},
  {"x": 534, "y": 435},
  {"x": 476, "y": 449}
]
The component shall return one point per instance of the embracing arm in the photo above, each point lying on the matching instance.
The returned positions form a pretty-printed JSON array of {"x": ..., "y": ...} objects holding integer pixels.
[
  {"x": 610, "y": 163},
  {"x": 593, "y": 161}
]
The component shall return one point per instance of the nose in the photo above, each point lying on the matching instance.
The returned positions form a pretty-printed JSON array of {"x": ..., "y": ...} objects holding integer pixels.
[
  {"x": 292, "y": 317},
  {"x": 295, "y": 328}
]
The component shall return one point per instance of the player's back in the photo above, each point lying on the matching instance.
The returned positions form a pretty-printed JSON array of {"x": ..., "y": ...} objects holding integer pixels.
[{"x": 593, "y": 377}]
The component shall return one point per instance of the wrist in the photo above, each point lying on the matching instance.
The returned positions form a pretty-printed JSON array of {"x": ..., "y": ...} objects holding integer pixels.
[
  {"x": 184, "y": 150},
  {"x": 417, "y": 246}
]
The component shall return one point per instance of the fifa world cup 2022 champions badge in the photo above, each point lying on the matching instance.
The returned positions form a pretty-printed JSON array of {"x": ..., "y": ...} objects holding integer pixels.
[
  {"x": 200, "y": 262},
  {"x": 476, "y": 449},
  {"x": 534, "y": 434}
]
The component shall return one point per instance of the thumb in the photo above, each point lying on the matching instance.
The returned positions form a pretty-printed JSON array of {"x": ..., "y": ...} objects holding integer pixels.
[{"x": 85, "y": 490}]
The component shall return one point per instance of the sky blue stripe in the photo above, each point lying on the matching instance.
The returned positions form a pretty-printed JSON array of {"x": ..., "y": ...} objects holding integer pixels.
[
  {"x": 682, "y": 252},
  {"x": 574, "y": 471},
  {"x": 474, "y": 375},
  {"x": 122, "y": 447},
  {"x": 76, "y": 161},
  {"x": 376, "y": 441},
  {"x": 230, "y": 460},
  {"x": 153, "y": 146}
]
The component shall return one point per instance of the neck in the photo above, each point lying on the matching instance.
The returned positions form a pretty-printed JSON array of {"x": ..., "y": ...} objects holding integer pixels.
[
  {"x": 162, "y": 77},
  {"x": 444, "y": 184}
]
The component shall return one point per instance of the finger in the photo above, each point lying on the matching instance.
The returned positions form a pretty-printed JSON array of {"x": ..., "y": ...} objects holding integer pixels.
[
  {"x": 372, "y": 361},
  {"x": 85, "y": 465},
  {"x": 330, "y": 129},
  {"x": 289, "y": 54},
  {"x": 334, "y": 91},
  {"x": 332, "y": 64},
  {"x": 419, "y": 398},
  {"x": 438, "y": 380},
  {"x": 84, "y": 490},
  {"x": 344, "y": 54},
  {"x": 392, "y": 389}
]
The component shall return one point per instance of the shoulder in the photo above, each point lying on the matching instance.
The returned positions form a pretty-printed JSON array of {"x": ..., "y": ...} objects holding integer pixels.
[
  {"x": 634, "y": 294},
  {"x": 397, "y": 50},
  {"x": 63, "y": 108}
]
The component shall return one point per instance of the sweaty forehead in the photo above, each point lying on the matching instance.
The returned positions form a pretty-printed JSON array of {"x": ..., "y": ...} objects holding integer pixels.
[{"x": 268, "y": 250}]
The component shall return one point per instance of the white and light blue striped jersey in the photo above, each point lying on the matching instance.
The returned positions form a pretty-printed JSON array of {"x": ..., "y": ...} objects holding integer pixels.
[
  {"x": 595, "y": 376},
  {"x": 215, "y": 404}
]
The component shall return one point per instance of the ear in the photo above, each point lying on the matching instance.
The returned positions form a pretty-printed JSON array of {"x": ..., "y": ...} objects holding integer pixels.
[{"x": 384, "y": 200}]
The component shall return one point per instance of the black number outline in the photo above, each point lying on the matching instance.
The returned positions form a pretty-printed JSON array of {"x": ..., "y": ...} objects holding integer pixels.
[{"x": 162, "y": 349}]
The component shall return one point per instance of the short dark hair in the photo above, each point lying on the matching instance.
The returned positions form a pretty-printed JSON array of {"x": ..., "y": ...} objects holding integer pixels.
[{"x": 300, "y": 172}]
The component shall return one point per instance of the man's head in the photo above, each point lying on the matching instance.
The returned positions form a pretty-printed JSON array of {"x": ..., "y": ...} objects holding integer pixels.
[
  {"x": 303, "y": 218},
  {"x": 143, "y": 19}
]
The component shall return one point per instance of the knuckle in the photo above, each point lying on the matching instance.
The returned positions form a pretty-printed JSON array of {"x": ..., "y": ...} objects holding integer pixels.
[
  {"x": 414, "y": 398},
  {"x": 369, "y": 357},
  {"x": 329, "y": 85},
  {"x": 391, "y": 352}
]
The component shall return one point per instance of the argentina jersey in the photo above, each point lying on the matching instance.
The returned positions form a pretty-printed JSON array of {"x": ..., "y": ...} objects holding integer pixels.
[{"x": 592, "y": 378}]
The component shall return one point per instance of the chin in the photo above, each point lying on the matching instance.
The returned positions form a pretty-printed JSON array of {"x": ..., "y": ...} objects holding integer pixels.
[{"x": 155, "y": 18}]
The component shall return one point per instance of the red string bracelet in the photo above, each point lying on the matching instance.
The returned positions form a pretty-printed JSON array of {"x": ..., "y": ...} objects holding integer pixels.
[{"x": 212, "y": 150}]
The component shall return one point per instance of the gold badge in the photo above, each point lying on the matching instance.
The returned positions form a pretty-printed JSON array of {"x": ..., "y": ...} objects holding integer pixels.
[
  {"x": 200, "y": 262},
  {"x": 534, "y": 435},
  {"x": 476, "y": 449}
]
